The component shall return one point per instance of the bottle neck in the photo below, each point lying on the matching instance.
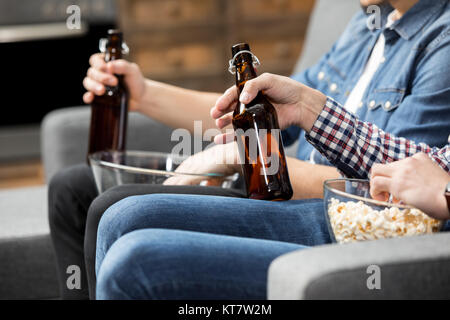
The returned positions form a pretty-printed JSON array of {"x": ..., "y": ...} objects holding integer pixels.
[
  {"x": 113, "y": 48},
  {"x": 113, "y": 53},
  {"x": 244, "y": 72}
]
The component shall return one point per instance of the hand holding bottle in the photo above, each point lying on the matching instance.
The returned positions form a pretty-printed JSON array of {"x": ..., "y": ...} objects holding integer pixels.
[
  {"x": 296, "y": 104},
  {"x": 109, "y": 111},
  {"x": 101, "y": 74}
]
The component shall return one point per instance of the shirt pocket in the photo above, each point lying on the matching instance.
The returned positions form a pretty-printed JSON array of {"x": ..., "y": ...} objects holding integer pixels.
[
  {"x": 330, "y": 79},
  {"x": 387, "y": 98}
]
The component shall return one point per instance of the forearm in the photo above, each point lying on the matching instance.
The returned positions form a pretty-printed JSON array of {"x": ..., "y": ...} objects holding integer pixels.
[
  {"x": 177, "y": 107},
  {"x": 353, "y": 145},
  {"x": 307, "y": 178}
]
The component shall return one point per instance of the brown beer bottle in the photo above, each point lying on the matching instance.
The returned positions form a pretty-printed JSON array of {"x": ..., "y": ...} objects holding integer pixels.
[
  {"x": 109, "y": 112},
  {"x": 258, "y": 136}
]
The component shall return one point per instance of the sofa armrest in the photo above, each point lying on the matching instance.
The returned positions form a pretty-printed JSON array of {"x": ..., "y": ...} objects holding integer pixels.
[
  {"x": 64, "y": 137},
  {"x": 410, "y": 268}
]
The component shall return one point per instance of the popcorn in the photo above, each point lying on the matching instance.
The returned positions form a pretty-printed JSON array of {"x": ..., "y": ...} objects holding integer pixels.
[{"x": 355, "y": 221}]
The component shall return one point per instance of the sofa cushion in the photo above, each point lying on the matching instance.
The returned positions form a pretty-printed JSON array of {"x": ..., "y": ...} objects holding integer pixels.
[
  {"x": 27, "y": 262},
  {"x": 64, "y": 137},
  {"x": 28, "y": 268},
  {"x": 23, "y": 212}
]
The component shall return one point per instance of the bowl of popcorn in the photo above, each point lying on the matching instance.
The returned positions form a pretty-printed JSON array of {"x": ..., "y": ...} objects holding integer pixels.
[{"x": 352, "y": 215}]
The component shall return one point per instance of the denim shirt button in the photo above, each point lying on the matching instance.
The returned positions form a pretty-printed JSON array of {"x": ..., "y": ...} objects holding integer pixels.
[
  {"x": 321, "y": 75},
  {"x": 387, "y": 105},
  {"x": 333, "y": 87},
  {"x": 372, "y": 104},
  {"x": 383, "y": 59},
  {"x": 360, "y": 104}
]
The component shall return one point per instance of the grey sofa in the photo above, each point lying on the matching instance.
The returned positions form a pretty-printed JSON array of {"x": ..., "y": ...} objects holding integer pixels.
[{"x": 27, "y": 264}]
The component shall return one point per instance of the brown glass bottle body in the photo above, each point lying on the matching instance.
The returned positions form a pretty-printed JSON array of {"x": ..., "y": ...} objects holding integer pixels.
[
  {"x": 109, "y": 112},
  {"x": 257, "y": 129}
]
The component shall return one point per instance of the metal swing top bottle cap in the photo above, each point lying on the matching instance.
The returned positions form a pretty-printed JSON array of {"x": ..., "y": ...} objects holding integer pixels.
[{"x": 236, "y": 50}]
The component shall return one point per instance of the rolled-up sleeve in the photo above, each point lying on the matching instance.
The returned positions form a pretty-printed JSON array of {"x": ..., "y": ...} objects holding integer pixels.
[{"x": 354, "y": 146}]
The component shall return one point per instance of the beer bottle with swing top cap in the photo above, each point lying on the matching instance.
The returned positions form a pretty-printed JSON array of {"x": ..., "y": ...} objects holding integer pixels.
[{"x": 258, "y": 136}]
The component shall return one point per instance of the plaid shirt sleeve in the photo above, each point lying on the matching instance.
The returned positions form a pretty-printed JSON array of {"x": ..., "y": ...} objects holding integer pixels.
[{"x": 354, "y": 146}]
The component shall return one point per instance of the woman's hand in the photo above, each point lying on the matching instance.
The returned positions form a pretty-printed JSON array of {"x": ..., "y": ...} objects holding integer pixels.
[
  {"x": 221, "y": 159},
  {"x": 295, "y": 103},
  {"x": 101, "y": 74},
  {"x": 417, "y": 181}
]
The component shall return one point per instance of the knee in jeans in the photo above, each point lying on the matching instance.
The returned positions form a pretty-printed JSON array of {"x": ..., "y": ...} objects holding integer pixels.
[
  {"x": 127, "y": 256},
  {"x": 115, "y": 222},
  {"x": 126, "y": 215},
  {"x": 114, "y": 270},
  {"x": 133, "y": 213},
  {"x": 103, "y": 201}
]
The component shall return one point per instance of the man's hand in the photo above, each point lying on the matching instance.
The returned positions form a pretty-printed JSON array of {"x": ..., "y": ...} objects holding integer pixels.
[
  {"x": 101, "y": 74},
  {"x": 295, "y": 103},
  {"x": 220, "y": 159},
  {"x": 417, "y": 181}
]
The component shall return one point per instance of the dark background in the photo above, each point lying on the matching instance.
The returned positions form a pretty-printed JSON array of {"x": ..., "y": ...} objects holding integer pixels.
[
  {"x": 182, "y": 42},
  {"x": 39, "y": 74}
]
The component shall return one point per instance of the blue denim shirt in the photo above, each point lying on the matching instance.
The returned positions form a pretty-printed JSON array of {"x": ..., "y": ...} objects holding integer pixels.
[{"x": 409, "y": 95}]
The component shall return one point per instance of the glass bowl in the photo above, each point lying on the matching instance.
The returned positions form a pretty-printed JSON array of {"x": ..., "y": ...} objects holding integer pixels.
[
  {"x": 113, "y": 168},
  {"x": 352, "y": 215}
]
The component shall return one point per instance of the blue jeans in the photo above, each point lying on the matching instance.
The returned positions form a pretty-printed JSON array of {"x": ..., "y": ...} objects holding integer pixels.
[{"x": 167, "y": 246}]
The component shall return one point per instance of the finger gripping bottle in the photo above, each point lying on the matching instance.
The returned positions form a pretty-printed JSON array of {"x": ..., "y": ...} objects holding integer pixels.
[
  {"x": 258, "y": 136},
  {"x": 109, "y": 112}
]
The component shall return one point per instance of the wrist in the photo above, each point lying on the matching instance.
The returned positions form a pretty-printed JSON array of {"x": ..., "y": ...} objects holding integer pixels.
[
  {"x": 147, "y": 100},
  {"x": 310, "y": 106},
  {"x": 442, "y": 211},
  {"x": 438, "y": 203}
]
